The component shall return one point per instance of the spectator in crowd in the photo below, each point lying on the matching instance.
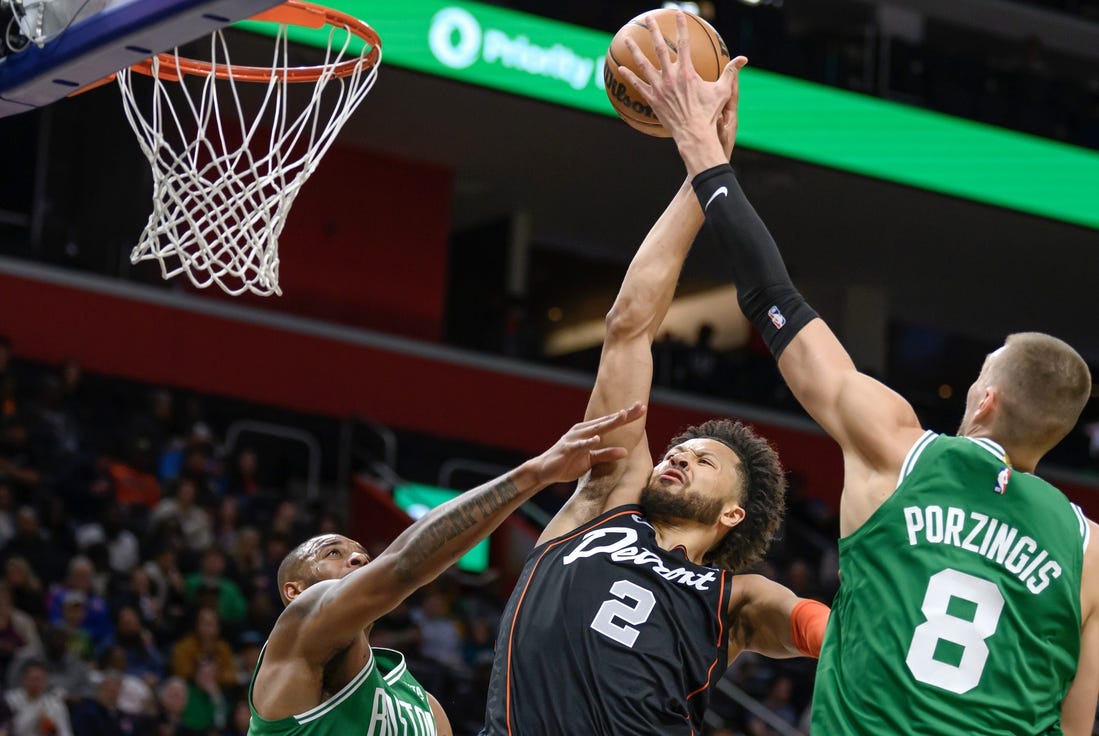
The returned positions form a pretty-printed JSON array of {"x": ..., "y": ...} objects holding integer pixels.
[
  {"x": 69, "y": 676},
  {"x": 74, "y": 611},
  {"x": 479, "y": 646},
  {"x": 79, "y": 590},
  {"x": 398, "y": 630},
  {"x": 288, "y": 520},
  {"x": 142, "y": 657},
  {"x": 212, "y": 586},
  {"x": 143, "y": 595},
  {"x": 440, "y": 637},
  {"x": 248, "y": 649},
  {"x": 172, "y": 702},
  {"x": 132, "y": 483},
  {"x": 200, "y": 464},
  {"x": 123, "y": 549},
  {"x": 275, "y": 548},
  {"x": 227, "y": 522},
  {"x": 238, "y": 719},
  {"x": 193, "y": 520},
  {"x": 207, "y": 709},
  {"x": 154, "y": 425},
  {"x": 18, "y": 633},
  {"x": 135, "y": 696},
  {"x": 263, "y": 611},
  {"x": 34, "y": 546},
  {"x": 100, "y": 716},
  {"x": 204, "y": 644},
  {"x": 249, "y": 565},
  {"x": 244, "y": 480},
  {"x": 170, "y": 590},
  {"x": 37, "y": 710},
  {"x": 25, "y": 588}
]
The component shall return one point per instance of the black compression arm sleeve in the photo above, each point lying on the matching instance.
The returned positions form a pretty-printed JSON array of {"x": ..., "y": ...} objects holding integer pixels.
[{"x": 764, "y": 290}]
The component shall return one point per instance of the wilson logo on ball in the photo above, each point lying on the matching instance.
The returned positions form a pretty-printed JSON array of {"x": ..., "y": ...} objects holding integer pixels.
[
  {"x": 708, "y": 54},
  {"x": 619, "y": 91}
]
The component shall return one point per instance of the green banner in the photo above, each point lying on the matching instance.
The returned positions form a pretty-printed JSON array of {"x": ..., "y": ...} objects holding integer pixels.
[
  {"x": 416, "y": 499},
  {"x": 563, "y": 64}
]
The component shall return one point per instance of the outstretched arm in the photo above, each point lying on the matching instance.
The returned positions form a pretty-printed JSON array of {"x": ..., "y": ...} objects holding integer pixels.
[
  {"x": 874, "y": 426},
  {"x": 1078, "y": 708},
  {"x": 767, "y": 618},
  {"x": 330, "y": 615},
  {"x": 626, "y": 364}
]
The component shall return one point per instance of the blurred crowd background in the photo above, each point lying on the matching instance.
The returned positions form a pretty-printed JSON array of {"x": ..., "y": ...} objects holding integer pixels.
[
  {"x": 142, "y": 524},
  {"x": 139, "y": 561}
]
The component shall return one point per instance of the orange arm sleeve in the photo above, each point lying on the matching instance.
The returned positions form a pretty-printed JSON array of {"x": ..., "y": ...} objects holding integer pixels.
[{"x": 807, "y": 623}]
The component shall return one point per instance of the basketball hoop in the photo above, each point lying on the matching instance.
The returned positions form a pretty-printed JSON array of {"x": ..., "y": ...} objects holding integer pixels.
[{"x": 226, "y": 169}]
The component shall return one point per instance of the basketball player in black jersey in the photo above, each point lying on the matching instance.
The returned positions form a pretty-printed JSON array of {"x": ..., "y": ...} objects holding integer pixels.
[{"x": 628, "y": 610}]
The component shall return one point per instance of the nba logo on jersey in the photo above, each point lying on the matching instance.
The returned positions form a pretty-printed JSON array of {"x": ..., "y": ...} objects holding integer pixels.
[
  {"x": 776, "y": 317},
  {"x": 1001, "y": 480}
]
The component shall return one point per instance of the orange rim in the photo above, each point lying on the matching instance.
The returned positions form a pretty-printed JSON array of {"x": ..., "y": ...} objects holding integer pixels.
[{"x": 292, "y": 12}]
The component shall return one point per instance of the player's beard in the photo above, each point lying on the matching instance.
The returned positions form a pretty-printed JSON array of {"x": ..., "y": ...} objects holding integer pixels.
[{"x": 660, "y": 504}]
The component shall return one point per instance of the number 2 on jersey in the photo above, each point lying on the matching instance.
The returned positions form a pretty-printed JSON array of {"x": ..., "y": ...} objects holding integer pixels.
[
  {"x": 968, "y": 634},
  {"x": 632, "y": 604}
]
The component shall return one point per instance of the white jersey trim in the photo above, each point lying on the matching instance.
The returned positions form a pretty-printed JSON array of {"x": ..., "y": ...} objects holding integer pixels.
[
  {"x": 991, "y": 446},
  {"x": 394, "y": 674},
  {"x": 914, "y": 454},
  {"x": 1085, "y": 527},
  {"x": 346, "y": 692}
]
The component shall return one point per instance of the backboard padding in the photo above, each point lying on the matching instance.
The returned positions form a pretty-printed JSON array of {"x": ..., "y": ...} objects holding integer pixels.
[{"x": 116, "y": 37}]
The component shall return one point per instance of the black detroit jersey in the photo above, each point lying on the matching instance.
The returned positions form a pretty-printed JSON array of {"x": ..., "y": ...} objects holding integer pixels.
[{"x": 607, "y": 633}]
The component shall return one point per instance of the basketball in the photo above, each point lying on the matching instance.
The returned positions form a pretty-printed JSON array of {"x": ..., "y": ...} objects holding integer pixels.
[{"x": 708, "y": 54}]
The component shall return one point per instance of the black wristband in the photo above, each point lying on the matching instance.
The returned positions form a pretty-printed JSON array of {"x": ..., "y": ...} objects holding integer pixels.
[
  {"x": 764, "y": 290},
  {"x": 778, "y": 311}
]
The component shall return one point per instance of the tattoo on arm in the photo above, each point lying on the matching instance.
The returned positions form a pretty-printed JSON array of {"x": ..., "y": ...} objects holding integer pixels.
[{"x": 466, "y": 511}]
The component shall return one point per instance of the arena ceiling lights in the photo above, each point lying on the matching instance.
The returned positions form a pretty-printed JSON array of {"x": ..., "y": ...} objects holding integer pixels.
[{"x": 563, "y": 64}]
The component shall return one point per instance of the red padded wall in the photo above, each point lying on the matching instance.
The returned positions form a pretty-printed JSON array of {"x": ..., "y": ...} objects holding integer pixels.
[
  {"x": 115, "y": 335},
  {"x": 366, "y": 244},
  {"x": 222, "y": 355}
]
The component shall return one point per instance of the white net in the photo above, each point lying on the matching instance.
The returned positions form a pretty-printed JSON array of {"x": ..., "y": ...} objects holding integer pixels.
[{"x": 226, "y": 166}]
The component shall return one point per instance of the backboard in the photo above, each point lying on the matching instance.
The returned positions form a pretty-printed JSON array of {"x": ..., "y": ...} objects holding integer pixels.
[{"x": 52, "y": 48}]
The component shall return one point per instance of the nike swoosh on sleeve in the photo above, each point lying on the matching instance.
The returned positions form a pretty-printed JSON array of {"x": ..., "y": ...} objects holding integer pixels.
[{"x": 724, "y": 191}]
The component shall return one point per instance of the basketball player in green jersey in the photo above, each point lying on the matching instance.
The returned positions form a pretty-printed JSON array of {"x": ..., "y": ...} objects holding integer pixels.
[
  {"x": 317, "y": 674},
  {"x": 969, "y": 600}
]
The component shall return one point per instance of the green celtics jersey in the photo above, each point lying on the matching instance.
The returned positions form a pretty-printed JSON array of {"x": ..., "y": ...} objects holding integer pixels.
[
  {"x": 959, "y": 605},
  {"x": 382, "y": 700}
]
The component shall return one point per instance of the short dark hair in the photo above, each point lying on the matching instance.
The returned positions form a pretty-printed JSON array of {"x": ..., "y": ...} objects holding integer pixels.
[
  {"x": 762, "y": 492},
  {"x": 290, "y": 567},
  {"x": 32, "y": 664}
]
